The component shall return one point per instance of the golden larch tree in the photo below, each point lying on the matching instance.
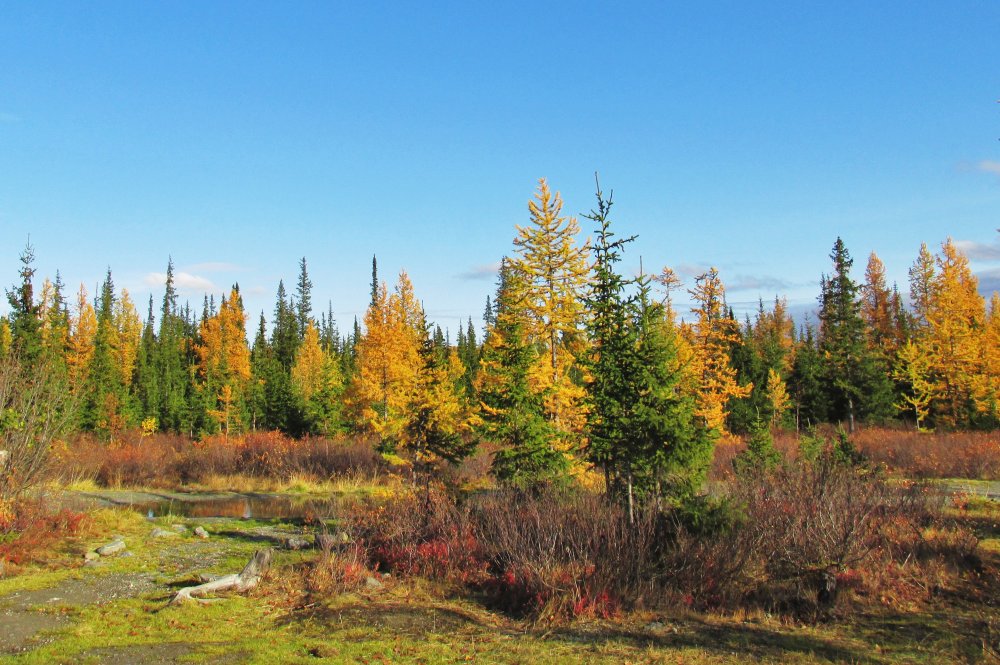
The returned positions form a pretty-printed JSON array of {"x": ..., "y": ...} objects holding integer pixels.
[
  {"x": 83, "y": 330},
  {"x": 387, "y": 360},
  {"x": 711, "y": 336},
  {"x": 554, "y": 271},
  {"x": 128, "y": 334},
  {"x": 224, "y": 359}
]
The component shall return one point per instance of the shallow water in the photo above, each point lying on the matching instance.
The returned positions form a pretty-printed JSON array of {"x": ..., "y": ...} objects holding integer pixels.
[{"x": 238, "y": 506}]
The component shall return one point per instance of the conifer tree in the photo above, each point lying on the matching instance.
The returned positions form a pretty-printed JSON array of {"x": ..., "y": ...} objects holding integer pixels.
[
  {"x": 436, "y": 421},
  {"x": 554, "y": 272},
  {"x": 25, "y": 322},
  {"x": 512, "y": 414},
  {"x": 171, "y": 362},
  {"x": 103, "y": 407},
  {"x": 388, "y": 359},
  {"x": 318, "y": 382},
  {"x": 81, "y": 342},
  {"x": 712, "y": 336},
  {"x": 857, "y": 379},
  {"x": 303, "y": 303}
]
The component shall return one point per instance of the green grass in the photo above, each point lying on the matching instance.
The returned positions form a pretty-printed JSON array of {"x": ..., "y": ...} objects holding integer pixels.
[{"x": 414, "y": 622}]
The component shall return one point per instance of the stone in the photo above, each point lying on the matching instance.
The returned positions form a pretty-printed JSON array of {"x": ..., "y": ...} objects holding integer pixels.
[
  {"x": 296, "y": 543},
  {"x": 373, "y": 583},
  {"x": 91, "y": 556},
  {"x": 200, "y": 532},
  {"x": 161, "y": 533},
  {"x": 114, "y": 547}
]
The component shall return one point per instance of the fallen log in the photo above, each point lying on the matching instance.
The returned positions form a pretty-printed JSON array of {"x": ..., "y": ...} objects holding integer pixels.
[{"x": 247, "y": 579}]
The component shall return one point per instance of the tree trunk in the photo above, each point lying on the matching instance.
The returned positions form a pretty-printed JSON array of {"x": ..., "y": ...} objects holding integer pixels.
[{"x": 247, "y": 579}]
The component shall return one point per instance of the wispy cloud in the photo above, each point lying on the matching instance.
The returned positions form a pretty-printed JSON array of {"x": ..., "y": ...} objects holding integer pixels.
[
  {"x": 757, "y": 283},
  {"x": 691, "y": 269},
  {"x": 980, "y": 251},
  {"x": 488, "y": 271},
  {"x": 184, "y": 281},
  {"x": 989, "y": 166},
  {"x": 989, "y": 281}
]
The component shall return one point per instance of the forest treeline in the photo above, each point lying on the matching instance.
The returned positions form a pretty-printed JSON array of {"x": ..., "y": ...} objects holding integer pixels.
[{"x": 579, "y": 361}]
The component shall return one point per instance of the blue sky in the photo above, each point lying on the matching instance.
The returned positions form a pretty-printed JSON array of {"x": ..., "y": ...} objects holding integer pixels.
[{"x": 239, "y": 137}]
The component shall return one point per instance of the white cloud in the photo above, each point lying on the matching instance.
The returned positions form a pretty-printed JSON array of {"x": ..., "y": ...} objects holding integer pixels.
[
  {"x": 757, "y": 282},
  {"x": 487, "y": 271},
  {"x": 989, "y": 166},
  {"x": 980, "y": 251},
  {"x": 691, "y": 269},
  {"x": 184, "y": 281}
]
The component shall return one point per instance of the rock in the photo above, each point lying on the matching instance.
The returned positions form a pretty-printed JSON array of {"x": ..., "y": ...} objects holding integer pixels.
[
  {"x": 126, "y": 554},
  {"x": 91, "y": 556},
  {"x": 654, "y": 625},
  {"x": 331, "y": 541},
  {"x": 296, "y": 543},
  {"x": 4, "y": 455},
  {"x": 114, "y": 547},
  {"x": 161, "y": 533},
  {"x": 373, "y": 583},
  {"x": 200, "y": 532}
]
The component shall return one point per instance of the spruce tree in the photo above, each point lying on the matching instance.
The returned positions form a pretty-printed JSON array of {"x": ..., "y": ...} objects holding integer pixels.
[
  {"x": 303, "y": 293},
  {"x": 856, "y": 379},
  {"x": 25, "y": 324},
  {"x": 513, "y": 416}
]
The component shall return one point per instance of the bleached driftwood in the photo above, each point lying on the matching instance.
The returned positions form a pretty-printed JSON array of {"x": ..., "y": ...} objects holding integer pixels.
[{"x": 247, "y": 579}]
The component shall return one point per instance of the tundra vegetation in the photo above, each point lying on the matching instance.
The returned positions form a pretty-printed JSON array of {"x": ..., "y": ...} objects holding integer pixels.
[{"x": 596, "y": 477}]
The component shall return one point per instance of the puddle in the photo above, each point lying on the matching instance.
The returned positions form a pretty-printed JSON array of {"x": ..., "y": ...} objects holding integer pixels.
[{"x": 238, "y": 506}]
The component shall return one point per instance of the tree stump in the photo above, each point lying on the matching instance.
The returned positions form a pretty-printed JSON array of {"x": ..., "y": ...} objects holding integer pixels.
[{"x": 247, "y": 579}]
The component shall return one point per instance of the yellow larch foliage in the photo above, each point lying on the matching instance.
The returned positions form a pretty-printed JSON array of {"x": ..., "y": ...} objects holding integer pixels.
[
  {"x": 711, "y": 336},
  {"x": 913, "y": 370},
  {"x": 553, "y": 273},
  {"x": 955, "y": 317},
  {"x": 128, "y": 334},
  {"x": 6, "y": 337},
  {"x": 388, "y": 360},
  {"x": 990, "y": 355},
  {"x": 777, "y": 393},
  {"x": 877, "y": 306},
  {"x": 435, "y": 413},
  {"x": 313, "y": 368},
  {"x": 83, "y": 329},
  {"x": 223, "y": 353},
  {"x": 921, "y": 285}
]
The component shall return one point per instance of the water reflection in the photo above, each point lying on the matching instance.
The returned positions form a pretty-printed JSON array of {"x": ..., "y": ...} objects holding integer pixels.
[{"x": 244, "y": 507}]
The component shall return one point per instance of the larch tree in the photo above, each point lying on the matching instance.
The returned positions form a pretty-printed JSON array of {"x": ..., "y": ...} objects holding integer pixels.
[
  {"x": 318, "y": 383},
  {"x": 712, "y": 335},
  {"x": 387, "y": 358},
  {"x": 224, "y": 363},
  {"x": 955, "y": 315},
  {"x": 554, "y": 271},
  {"x": 81, "y": 341},
  {"x": 512, "y": 414}
]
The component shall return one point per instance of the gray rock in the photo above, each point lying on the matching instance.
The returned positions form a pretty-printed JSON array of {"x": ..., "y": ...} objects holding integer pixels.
[
  {"x": 161, "y": 533},
  {"x": 200, "y": 532},
  {"x": 373, "y": 583},
  {"x": 91, "y": 556},
  {"x": 114, "y": 547},
  {"x": 296, "y": 543}
]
